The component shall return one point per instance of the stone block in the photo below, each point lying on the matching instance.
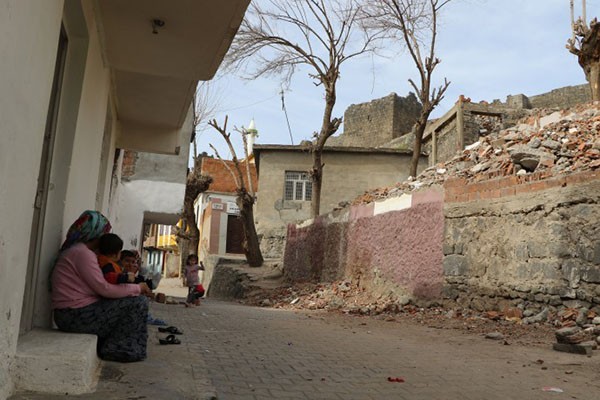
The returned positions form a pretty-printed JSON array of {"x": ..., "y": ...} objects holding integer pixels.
[
  {"x": 549, "y": 270},
  {"x": 567, "y": 332},
  {"x": 541, "y": 298},
  {"x": 538, "y": 250},
  {"x": 450, "y": 292},
  {"x": 590, "y": 273},
  {"x": 550, "y": 119},
  {"x": 448, "y": 249},
  {"x": 555, "y": 301},
  {"x": 567, "y": 293},
  {"x": 524, "y": 271},
  {"x": 521, "y": 251},
  {"x": 455, "y": 265},
  {"x": 560, "y": 249},
  {"x": 576, "y": 304},
  {"x": 52, "y": 361},
  {"x": 571, "y": 271},
  {"x": 573, "y": 348}
]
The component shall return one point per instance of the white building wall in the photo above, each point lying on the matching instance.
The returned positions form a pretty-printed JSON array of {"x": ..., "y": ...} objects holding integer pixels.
[
  {"x": 87, "y": 145},
  {"x": 135, "y": 198},
  {"x": 78, "y": 147},
  {"x": 26, "y": 71}
]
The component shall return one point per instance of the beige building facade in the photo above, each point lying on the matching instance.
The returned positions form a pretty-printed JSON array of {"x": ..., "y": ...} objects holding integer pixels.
[
  {"x": 81, "y": 80},
  {"x": 284, "y": 188}
]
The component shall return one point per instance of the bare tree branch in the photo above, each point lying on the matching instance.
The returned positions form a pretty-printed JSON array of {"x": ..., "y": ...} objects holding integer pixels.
[
  {"x": 278, "y": 36},
  {"x": 585, "y": 44},
  {"x": 414, "y": 24},
  {"x": 245, "y": 199}
]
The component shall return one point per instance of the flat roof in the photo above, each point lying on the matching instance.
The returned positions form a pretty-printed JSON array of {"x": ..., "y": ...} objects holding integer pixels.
[
  {"x": 329, "y": 149},
  {"x": 258, "y": 148}
]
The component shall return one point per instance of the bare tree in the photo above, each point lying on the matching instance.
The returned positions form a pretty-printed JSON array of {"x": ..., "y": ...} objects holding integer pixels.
[
  {"x": 205, "y": 105},
  {"x": 188, "y": 235},
  {"x": 245, "y": 194},
  {"x": 414, "y": 24},
  {"x": 278, "y": 36},
  {"x": 585, "y": 44}
]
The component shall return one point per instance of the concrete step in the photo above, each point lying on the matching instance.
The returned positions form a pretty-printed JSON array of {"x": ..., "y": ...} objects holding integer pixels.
[{"x": 52, "y": 361}]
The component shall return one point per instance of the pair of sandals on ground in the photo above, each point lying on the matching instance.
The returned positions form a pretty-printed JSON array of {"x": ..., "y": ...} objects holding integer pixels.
[{"x": 170, "y": 339}]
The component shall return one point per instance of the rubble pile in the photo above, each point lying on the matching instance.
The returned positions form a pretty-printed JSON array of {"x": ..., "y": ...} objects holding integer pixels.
[
  {"x": 561, "y": 142},
  {"x": 578, "y": 340},
  {"x": 349, "y": 298},
  {"x": 548, "y": 143}
]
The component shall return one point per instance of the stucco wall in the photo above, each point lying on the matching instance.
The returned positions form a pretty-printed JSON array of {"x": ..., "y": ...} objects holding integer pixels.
[
  {"x": 345, "y": 176},
  {"x": 77, "y": 150},
  {"x": 27, "y": 67},
  {"x": 27, "y": 71},
  {"x": 137, "y": 197},
  {"x": 157, "y": 185},
  {"x": 394, "y": 248},
  {"x": 159, "y": 167}
]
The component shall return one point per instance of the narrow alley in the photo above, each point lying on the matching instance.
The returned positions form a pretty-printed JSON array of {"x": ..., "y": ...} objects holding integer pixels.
[
  {"x": 230, "y": 351},
  {"x": 261, "y": 353}
]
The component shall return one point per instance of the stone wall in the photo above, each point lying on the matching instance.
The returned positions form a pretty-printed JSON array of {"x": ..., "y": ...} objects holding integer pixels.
[
  {"x": 562, "y": 98},
  {"x": 514, "y": 240},
  {"x": 463, "y": 125},
  {"x": 480, "y": 119},
  {"x": 377, "y": 122},
  {"x": 531, "y": 242}
]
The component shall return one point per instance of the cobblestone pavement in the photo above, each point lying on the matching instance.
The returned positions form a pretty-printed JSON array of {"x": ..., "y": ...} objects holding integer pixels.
[{"x": 261, "y": 353}]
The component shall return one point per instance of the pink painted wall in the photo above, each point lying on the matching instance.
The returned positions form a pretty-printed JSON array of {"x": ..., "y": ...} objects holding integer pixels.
[{"x": 405, "y": 247}]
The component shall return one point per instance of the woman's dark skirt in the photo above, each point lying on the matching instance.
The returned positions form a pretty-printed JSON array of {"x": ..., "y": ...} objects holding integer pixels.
[{"x": 120, "y": 325}]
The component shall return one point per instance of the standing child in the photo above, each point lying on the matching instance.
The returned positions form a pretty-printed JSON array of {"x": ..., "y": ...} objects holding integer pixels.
[{"x": 191, "y": 277}]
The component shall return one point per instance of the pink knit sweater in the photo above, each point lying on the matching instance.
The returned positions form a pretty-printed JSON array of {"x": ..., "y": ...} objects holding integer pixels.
[{"x": 77, "y": 280}]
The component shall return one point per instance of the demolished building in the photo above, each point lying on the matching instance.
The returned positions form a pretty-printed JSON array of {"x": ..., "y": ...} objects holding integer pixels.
[{"x": 510, "y": 222}]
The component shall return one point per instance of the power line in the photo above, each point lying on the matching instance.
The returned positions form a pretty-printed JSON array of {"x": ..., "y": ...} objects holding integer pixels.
[{"x": 286, "y": 115}]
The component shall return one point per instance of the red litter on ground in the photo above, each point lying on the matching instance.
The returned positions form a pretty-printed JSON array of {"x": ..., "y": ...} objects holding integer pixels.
[
  {"x": 552, "y": 389},
  {"x": 395, "y": 379}
]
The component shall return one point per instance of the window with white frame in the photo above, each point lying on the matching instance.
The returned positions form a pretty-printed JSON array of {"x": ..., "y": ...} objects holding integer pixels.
[{"x": 298, "y": 186}]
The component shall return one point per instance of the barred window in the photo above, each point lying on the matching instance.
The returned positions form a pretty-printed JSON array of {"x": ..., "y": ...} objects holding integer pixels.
[{"x": 298, "y": 186}]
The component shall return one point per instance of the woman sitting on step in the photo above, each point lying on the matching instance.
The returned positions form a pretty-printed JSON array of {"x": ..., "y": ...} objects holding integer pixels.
[{"x": 84, "y": 302}]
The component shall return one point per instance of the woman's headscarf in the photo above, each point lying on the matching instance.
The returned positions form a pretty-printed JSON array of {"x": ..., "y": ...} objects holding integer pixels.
[{"x": 89, "y": 226}]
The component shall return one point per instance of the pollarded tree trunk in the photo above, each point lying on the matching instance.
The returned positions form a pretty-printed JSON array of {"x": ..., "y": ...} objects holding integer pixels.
[
  {"x": 420, "y": 126},
  {"x": 587, "y": 50},
  {"x": 592, "y": 74},
  {"x": 251, "y": 244},
  {"x": 328, "y": 127},
  {"x": 317, "y": 181}
]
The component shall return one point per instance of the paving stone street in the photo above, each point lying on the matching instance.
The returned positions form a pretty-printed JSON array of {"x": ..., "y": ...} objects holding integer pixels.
[{"x": 262, "y": 353}]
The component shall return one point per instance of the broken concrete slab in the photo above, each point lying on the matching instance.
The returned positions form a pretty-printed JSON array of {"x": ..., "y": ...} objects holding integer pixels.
[{"x": 573, "y": 348}]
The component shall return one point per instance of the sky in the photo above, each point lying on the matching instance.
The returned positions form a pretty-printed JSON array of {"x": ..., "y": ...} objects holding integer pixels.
[{"x": 489, "y": 49}]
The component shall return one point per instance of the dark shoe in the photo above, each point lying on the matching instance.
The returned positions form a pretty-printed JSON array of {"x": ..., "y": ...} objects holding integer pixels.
[
  {"x": 171, "y": 329},
  {"x": 171, "y": 339}
]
